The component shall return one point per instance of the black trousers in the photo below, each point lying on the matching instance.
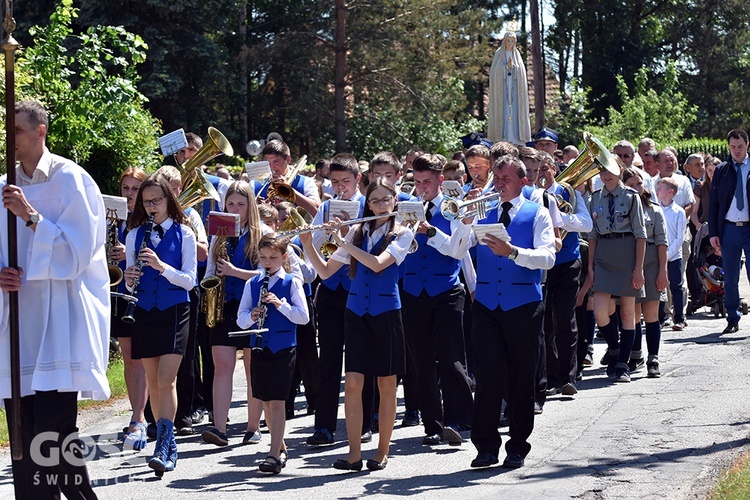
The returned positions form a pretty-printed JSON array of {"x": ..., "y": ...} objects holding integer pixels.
[
  {"x": 306, "y": 369},
  {"x": 560, "y": 325},
  {"x": 35, "y": 476},
  {"x": 507, "y": 345},
  {"x": 186, "y": 375},
  {"x": 435, "y": 336},
  {"x": 331, "y": 306}
]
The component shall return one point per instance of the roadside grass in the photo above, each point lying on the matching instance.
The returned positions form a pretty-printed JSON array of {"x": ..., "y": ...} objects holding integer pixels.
[
  {"x": 116, "y": 377},
  {"x": 734, "y": 484}
]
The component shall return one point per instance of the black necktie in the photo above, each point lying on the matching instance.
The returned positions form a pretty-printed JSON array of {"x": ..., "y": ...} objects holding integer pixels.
[
  {"x": 505, "y": 215},
  {"x": 428, "y": 211},
  {"x": 159, "y": 230},
  {"x": 739, "y": 192}
]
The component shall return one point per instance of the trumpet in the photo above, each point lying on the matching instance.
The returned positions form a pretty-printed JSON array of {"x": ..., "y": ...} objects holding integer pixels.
[
  {"x": 128, "y": 317},
  {"x": 453, "y": 209},
  {"x": 282, "y": 188}
]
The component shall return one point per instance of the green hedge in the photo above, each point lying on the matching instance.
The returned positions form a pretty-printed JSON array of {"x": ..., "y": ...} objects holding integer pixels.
[{"x": 714, "y": 147}]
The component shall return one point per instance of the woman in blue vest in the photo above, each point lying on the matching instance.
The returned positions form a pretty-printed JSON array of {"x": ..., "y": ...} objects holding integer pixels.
[
  {"x": 285, "y": 307},
  {"x": 135, "y": 377},
  {"x": 374, "y": 330},
  {"x": 239, "y": 266},
  {"x": 167, "y": 262}
]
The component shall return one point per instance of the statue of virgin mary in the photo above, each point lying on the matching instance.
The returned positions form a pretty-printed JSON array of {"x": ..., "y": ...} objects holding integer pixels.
[{"x": 509, "y": 95}]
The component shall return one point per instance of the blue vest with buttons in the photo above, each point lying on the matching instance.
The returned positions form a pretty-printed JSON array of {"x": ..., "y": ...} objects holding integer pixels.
[
  {"x": 571, "y": 248},
  {"x": 427, "y": 268},
  {"x": 374, "y": 293},
  {"x": 340, "y": 277},
  {"x": 281, "y": 333},
  {"x": 154, "y": 290},
  {"x": 236, "y": 253},
  {"x": 500, "y": 282}
]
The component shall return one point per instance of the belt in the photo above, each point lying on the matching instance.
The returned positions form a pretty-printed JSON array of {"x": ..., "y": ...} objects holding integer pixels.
[
  {"x": 614, "y": 236},
  {"x": 738, "y": 223}
]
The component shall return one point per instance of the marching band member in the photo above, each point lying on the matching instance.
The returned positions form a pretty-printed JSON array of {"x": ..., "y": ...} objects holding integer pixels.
[
  {"x": 331, "y": 297},
  {"x": 161, "y": 270},
  {"x": 276, "y": 153},
  {"x": 135, "y": 376},
  {"x": 563, "y": 281},
  {"x": 478, "y": 160},
  {"x": 508, "y": 313},
  {"x": 239, "y": 266},
  {"x": 374, "y": 331},
  {"x": 387, "y": 165},
  {"x": 433, "y": 304},
  {"x": 273, "y": 366}
]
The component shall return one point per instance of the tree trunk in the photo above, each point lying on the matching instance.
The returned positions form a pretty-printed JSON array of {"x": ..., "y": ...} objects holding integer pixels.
[
  {"x": 244, "y": 95},
  {"x": 339, "y": 96},
  {"x": 538, "y": 63}
]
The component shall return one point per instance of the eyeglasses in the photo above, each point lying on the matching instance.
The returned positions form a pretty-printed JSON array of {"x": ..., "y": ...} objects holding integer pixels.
[
  {"x": 153, "y": 203},
  {"x": 381, "y": 201}
]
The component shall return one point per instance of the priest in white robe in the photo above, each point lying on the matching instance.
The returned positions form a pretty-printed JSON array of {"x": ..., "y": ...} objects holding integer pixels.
[{"x": 63, "y": 295}]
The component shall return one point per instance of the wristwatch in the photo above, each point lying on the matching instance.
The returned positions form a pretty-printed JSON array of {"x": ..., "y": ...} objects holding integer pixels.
[
  {"x": 431, "y": 232},
  {"x": 34, "y": 218},
  {"x": 513, "y": 254}
]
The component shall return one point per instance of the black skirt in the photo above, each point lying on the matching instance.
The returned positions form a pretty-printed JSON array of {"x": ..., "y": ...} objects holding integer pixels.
[
  {"x": 375, "y": 344},
  {"x": 272, "y": 373},
  {"x": 156, "y": 333},
  {"x": 220, "y": 334}
]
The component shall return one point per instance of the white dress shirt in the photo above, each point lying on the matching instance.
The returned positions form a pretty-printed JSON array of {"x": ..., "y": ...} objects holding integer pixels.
[
  {"x": 184, "y": 277},
  {"x": 398, "y": 248},
  {"x": 734, "y": 215},
  {"x": 294, "y": 308},
  {"x": 674, "y": 216},
  {"x": 578, "y": 222},
  {"x": 455, "y": 244}
]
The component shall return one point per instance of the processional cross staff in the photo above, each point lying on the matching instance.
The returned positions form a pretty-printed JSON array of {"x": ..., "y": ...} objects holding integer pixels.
[{"x": 9, "y": 45}]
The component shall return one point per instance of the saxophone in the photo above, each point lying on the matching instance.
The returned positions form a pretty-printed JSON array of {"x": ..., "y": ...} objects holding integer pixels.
[
  {"x": 128, "y": 317},
  {"x": 115, "y": 273},
  {"x": 212, "y": 300}
]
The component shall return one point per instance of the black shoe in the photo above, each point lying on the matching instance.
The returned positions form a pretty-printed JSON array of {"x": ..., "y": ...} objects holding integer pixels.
[
  {"x": 732, "y": 328},
  {"x": 451, "y": 435},
  {"x": 484, "y": 460},
  {"x": 342, "y": 464},
  {"x": 185, "y": 431},
  {"x": 635, "y": 364},
  {"x": 605, "y": 359},
  {"x": 214, "y": 436},
  {"x": 513, "y": 461},
  {"x": 433, "y": 440},
  {"x": 568, "y": 390},
  {"x": 271, "y": 464},
  {"x": 320, "y": 436},
  {"x": 411, "y": 418},
  {"x": 373, "y": 465},
  {"x": 366, "y": 437},
  {"x": 197, "y": 416}
]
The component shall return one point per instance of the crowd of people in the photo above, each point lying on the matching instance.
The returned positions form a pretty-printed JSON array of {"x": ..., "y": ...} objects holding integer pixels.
[{"x": 481, "y": 310}]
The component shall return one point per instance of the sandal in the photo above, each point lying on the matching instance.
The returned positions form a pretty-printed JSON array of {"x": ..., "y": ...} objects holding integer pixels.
[
  {"x": 283, "y": 457},
  {"x": 270, "y": 464}
]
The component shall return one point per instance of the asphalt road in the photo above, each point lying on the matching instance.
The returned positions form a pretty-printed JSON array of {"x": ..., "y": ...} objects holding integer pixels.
[{"x": 651, "y": 438}]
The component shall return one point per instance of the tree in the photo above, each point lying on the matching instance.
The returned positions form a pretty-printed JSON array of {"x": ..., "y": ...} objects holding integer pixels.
[{"x": 88, "y": 83}]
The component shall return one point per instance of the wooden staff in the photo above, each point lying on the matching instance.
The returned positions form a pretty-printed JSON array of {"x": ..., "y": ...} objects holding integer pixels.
[{"x": 9, "y": 45}]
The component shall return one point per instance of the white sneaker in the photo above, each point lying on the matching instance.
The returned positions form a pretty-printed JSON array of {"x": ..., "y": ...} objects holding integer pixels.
[{"x": 251, "y": 438}]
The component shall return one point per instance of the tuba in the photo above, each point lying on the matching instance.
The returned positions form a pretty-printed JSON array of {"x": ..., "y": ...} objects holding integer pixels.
[
  {"x": 212, "y": 300},
  {"x": 282, "y": 188},
  {"x": 594, "y": 159},
  {"x": 195, "y": 185}
]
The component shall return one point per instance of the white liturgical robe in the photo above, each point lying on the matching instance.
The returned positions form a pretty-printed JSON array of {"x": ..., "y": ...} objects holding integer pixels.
[{"x": 64, "y": 303}]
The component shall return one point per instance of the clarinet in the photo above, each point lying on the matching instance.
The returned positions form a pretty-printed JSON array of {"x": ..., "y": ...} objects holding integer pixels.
[
  {"x": 257, "y": 345},
  {"x": 128, "y": 317}
]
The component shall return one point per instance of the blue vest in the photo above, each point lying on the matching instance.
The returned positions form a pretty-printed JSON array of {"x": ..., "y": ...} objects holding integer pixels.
[
  {"x": 281, "y": 333},
  {"x": 428, "y": 269},
  {"x": 154, "y": 290},
  {"x": 340, "y": 277},
  {"x": 500, "y": 282},
  {"x": 372, "y": 292},
  {"x": 571, "y": 248},
  {"x": 236, "y": 253},
  {"x": 298, "y": 183}
]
